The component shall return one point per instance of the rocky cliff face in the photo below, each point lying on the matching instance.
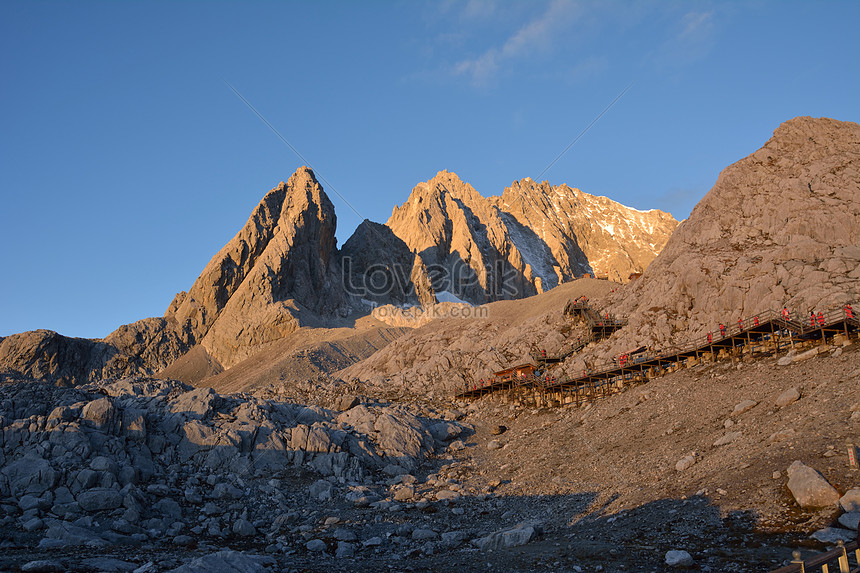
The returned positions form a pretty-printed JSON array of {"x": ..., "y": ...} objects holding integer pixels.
[
  {"x": 461, "y": 240},
  {"x": 780, "y": 227},
  {"x": 530, "y": 239},
  {"x": 379, "y": 268}
]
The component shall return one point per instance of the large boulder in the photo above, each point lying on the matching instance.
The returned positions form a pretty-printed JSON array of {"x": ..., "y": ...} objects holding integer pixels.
[
  {"x": 99, "y": 499},
  {"x": 809, "y": 487},
  {"x": 851, "y": 500},
  {"x": 519, "y": 535},
  {"x": 98, "y": 414},
  {"x": 198, "y": 403},
  {"x": 30, "y": 474}
]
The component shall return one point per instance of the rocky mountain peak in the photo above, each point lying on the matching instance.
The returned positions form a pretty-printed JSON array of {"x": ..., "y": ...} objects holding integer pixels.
[{"x": 283, "y": 249}]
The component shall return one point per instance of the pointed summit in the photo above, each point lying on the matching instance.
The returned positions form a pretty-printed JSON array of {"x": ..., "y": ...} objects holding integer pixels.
[{"x": 255, "y": 288}]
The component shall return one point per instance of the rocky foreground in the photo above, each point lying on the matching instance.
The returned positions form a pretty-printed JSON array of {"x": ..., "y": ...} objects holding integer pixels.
[{"x": 152, "y": 475}]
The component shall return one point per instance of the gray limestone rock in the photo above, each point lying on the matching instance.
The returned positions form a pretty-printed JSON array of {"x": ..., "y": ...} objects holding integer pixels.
[
  {"x": 685, "y": 463},
  {"x": 198, "y": 403},
  {"x": 744, "y": 406},
  {"x": 788, "y": 397},
  {"x": 850, "y": 520},
  {"x": 833, "y": 535},
  {"x": 851, "y": 500},
  {"x": 244, "y": 528},
  {"x": 320, "y": 490},
  {"x": 445, "y": 431},
  {"x": 727, "y": 439},
  {"x": 134, "y": 424},
  {"x": 61, "y": 534},
  {"x": 43, "y": 566},
  {"x": 424, "y": 534},
  {"x": 98, "y": 414},
  {"x": 342, "y": 534},
  {"x": 453, "y": 538},
  {"x": 30, "y": 474}
]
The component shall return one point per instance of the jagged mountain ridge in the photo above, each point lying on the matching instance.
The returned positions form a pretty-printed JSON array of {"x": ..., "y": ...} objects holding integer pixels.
[
  {"x": 282, "y": 271},
  {"x": 531, "y": 238}
]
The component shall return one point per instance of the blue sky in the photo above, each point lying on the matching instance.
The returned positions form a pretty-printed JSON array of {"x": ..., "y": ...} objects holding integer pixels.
[{"x": 126, "y": 162}]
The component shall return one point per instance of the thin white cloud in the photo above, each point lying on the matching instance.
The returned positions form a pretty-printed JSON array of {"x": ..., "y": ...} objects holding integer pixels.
[
  {"x": 692, "y": 41},
  {"x": 479, "y": 9},
  {"x": 535, "y": 36},
  {"x": 696, "y": 24}
]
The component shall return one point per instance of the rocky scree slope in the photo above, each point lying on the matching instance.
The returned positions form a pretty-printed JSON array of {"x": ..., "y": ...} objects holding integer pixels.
[
  {"x": 779, "y": 227},
  {"x": 722, "y": 433},
  {"x": 440, "y": 357},
  {"x": 529, "y": 240}
]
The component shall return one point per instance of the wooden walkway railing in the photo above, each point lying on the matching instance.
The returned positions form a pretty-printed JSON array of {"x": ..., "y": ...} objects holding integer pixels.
[{"x": 838, "y": 557}]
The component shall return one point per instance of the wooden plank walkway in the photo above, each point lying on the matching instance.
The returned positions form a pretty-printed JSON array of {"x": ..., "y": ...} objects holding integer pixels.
[{"x": 769, "y": 331}]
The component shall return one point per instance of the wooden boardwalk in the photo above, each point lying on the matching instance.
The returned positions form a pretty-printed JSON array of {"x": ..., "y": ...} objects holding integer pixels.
[{"x": 766, "y": 332}]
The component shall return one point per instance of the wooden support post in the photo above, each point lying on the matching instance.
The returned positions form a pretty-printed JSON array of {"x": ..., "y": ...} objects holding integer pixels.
[
  {"x": 843, "y": 559},
  {"x": 796, "y": 560}
]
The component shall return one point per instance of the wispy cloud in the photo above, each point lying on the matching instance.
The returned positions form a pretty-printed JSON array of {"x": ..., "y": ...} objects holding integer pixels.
[
  {"x": 479, "y": 9},
  {"x": 696, "y": 24},
  {"x": 537, "y": 35},
  {"x": 692, "y": 41}
]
